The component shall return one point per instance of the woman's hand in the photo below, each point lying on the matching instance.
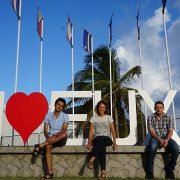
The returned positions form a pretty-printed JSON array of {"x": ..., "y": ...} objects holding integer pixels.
[
  {"x": 88, "y": 145},
  {"x": 114, "y": 145}
]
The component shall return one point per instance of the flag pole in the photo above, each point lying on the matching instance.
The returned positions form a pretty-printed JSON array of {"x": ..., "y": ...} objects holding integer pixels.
[
  {"x": 41, "y": 50},
  {"x": 17, "y": 64},
  {"x": 70, "y": 38},
  {"x": 110, "y": 79},
  {"x": 168, "y": 64},
  {"x": 142, "y": 83},
  {"x": 17, "y": 56},
  {"x": 40, "y": 82},
  {"x": 72, "y": 48},
  {"x": 140, "y": 55},
  {"x": 92, "y": 75},
  {"x": 17, "y": 60},
  {"x": 41, "y": 61},
  {"x": 110, "y": 64}
]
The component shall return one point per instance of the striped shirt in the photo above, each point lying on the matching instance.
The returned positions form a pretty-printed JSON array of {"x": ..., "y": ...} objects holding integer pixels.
[{"x": 161, "y": 126}]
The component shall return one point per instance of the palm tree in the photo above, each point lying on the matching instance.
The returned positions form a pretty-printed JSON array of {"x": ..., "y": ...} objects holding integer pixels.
[{"x": 120, "y": 86}]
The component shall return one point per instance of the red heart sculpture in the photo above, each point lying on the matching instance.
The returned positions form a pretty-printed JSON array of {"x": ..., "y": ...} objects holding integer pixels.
[{"x": 25, "y": 113}]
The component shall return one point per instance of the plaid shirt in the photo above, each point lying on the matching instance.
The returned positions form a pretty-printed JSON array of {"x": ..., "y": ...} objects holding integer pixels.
[{"x": 162, "y": 126}]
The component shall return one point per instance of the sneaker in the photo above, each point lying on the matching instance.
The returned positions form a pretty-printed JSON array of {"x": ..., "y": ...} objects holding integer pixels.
[
  {"x": 149, "y": 175},
  {"x": 170, "y": 175}
]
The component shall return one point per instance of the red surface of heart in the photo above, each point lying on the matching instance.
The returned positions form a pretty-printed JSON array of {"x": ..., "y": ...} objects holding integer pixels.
[{"x": 25, "y": 113}]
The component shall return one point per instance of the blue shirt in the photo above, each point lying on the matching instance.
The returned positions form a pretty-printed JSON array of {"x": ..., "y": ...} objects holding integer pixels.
[{"x": 56, "y": 124}]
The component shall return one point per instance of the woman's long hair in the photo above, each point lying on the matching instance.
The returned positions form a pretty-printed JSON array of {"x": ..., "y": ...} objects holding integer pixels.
[{"x": 98, "y": 104}]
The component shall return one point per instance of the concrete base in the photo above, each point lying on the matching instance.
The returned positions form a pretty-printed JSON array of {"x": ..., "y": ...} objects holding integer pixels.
[{"x": 124, "y": 162}]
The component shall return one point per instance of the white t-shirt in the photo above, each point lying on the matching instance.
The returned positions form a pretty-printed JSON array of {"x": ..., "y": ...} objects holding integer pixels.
[{"x": 102, "y": 125}]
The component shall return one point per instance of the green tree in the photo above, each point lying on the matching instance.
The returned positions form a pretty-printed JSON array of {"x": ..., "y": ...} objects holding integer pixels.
[{"x": 120, "y": 87}]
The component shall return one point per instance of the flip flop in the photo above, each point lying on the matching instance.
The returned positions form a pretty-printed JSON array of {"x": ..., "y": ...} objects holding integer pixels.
[
  {"x": 47, "y": 176},
  {"x": 103, "y": 175},
  {"x": 35, "y": 151},
  {"x": 90, "y": 165}
]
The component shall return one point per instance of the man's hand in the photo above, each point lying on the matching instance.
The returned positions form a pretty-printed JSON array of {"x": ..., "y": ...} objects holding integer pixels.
[
  {"x": 51, "y": 139},
  {"x": 161, "y": 141},
  {"x": 88, "y": 145},
  {"x": 46, "y": 135}
]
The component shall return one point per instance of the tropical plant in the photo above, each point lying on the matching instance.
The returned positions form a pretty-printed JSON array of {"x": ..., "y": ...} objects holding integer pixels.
[{"x": 120, "y": 87}]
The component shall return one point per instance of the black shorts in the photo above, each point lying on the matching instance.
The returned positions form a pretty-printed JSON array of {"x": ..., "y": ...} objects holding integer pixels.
[{"x": 60, "y": 143}]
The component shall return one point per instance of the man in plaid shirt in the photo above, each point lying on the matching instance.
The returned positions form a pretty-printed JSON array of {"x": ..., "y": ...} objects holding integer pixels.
[{"x": 160, "y": 126}]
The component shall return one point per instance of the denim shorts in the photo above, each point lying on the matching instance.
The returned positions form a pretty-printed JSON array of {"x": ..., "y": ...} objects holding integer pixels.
[{"x": 60, "y": 143}]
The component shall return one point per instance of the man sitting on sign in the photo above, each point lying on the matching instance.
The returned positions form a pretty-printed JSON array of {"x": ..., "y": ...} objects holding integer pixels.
[
  {"x": 160, "y": 126},
  {"x": 57, "y": 123}
]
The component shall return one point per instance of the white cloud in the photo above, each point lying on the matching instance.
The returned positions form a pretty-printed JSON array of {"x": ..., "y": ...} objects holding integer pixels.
[
  {"x": 156, "y": 21},
  {"x": 154, "y": 61},
  {"x": 174, "y": 40}
]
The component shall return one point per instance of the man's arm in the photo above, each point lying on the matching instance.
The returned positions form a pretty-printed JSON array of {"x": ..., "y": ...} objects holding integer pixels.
[
  {"x": 154, "y": 135},
  {"x": 46, "y": 130},
  {"x": 170, "y": 131},
  {"x": 58, "y": 136},
  {"x": 169, "y": 135},
  {"x": 64, "y": 130},
  {"x": 151, "y": 130}
]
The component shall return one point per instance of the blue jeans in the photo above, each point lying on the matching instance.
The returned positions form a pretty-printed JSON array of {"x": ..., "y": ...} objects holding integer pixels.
[{"x": 171, "y": 148}]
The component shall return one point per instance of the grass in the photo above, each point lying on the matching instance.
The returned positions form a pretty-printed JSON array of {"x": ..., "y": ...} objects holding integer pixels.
[{"x": 61, "y": 178}]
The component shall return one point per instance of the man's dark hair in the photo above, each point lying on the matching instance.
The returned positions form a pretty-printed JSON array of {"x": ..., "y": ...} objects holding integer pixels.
[
  {"x": 158, "y": 102},
  {"x": 62, "y": 100}
]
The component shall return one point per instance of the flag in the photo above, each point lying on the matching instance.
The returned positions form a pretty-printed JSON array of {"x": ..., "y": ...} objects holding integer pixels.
[
  {"x": 164, "y": 5},
  {"x": 138, "y": 27},
  {"x": 87, "y": 41},
  {"x": 110, "y": 31},
  {"x": 40, "y": 24},
  {"x": 16, "y": 4},
  {"x": 69, "y": 32}
]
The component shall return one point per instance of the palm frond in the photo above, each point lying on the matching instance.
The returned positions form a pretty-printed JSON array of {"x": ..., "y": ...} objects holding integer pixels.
[{"x": 130, "y": 75}]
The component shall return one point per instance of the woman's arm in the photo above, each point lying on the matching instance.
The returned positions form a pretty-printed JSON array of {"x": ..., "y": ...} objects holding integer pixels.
[
  {"x": 113, "y": 134},
  {"x": 91, "y": 131}
]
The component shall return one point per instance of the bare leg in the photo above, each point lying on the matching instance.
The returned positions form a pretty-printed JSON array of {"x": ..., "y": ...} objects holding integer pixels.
[
  {"x": 49, "y": 158},
  {"x": 92, "y": 159},
  {"x": 52, "y": 140},
  {"x": 91, "y": 162},
  {"x": 56, "y": 138}
]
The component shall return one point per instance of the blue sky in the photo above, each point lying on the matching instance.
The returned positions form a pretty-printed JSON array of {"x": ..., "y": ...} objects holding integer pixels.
[{"x": 94, "y": 16}]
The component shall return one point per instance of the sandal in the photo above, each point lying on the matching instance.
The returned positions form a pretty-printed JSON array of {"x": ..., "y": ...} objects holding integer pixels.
[
  {"x": 90, "y": 165},
  {"x": 37, "y": 150},
  {"x": 47, "y": 176},
  {"x": 103, "y": 175}
]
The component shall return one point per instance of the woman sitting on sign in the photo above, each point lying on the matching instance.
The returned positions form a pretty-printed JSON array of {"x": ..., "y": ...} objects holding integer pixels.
[{"x": 102, "y": 125}]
